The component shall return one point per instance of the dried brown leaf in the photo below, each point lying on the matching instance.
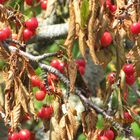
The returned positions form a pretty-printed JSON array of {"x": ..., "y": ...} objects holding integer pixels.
[
  {"x": 72, "y": 68},
  {"x": 104, "y": 57},
  {"x": 15, "y": 115},
  {"x": 3, "y": 54},
  {"x": 82, "y": 42},
  {"x": 93, "y": 6},
  {"x": 120, "y": 52},
  {"x": 21, "y": 95},
  {"x": 30, "y": 70}
]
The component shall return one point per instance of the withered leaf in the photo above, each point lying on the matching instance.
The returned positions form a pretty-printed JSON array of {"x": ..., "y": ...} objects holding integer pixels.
[
  {"x": 72, "y": 68},
  {"x": 15, "y": 115},
  {"x": 82, "y": 42}
]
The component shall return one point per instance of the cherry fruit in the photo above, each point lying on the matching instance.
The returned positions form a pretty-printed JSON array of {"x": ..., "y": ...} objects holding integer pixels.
[
  {"x": 32, "y": 23},
  {"x": 3, "y": 35},
  {"x": 27, "y": 34},
  {"x": 102, "y": 138},
  {"x": 24, "y": 134},
  {"x": 135, "y": 28},
  {"x": 106, "y": 39},
  {"x": 13, "y": 136},
  {"x": 44, "y": 4},
  {"x": 7, "y": 30},
  {"x": 29, "y": 2},
  {"x": 45, "y": 112},
  {"x": 109, "y": 134},
  {"x": 112, "y": 8},
  {"x": 111, "y": 77},
  {"x": 40, "y": 95},
  {"x": 128, "y": 69},
  {"x": 130, "y": 79}
]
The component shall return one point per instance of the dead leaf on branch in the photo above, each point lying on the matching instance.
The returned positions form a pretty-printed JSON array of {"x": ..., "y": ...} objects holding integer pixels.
[
  {"x": 93, "y": 6},
  {"x": 66, "y": 128},
  {"x": 89, "y": 120},
  {"x": 15, "y": 115}
]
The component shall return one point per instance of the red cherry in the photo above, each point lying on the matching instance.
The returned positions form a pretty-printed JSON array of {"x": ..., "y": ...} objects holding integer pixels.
[
  {"x": 111, "y": 77},
  {"x": 45, "y": 112},
  {"x": 109, "y": 134},
  {"x": 29, "y": 2},
  {"x": 81, "y": 70},
  {"x": 48, "y": 112},
  {"x": 135, "y": 28},
  {"x": 55, "y": 63},
  {"x": 61, "y": 67},
  {"x": 127, "y": 116},
  {"x": 108, "y": 3},
  {"x": 113, "y": 8},
  {"x": 44, "y": 4},
  {"x": 24, "y": 134},
  {"x": 106, "y": 39},
  {"x": 36, "y": 81},
  {"x": 32, "y": 23},
  {"x": 40, "y": 95},
  {"x": 7, "y": 30},
  {"x": 80, "y": 62},
  {"x": 2, "y": 1},
  {"x": 128, "y": 69},
  {"x": 102, "y": 138},
  {"x": 130, "y": 79},
  {"x": 27, "y": 34},
  {"x": 14, "y": 136},
  {"x": 40, "y": 113},
  {"x": 3, "y": 35}
]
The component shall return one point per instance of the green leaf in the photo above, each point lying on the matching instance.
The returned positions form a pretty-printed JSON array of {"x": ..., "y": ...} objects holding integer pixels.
[
  {"x": 82, "y": 137},
  {"x": 136, "y": 129},
  {"x": 100, "y": 122},
  {"x": 84, "y": 12}
]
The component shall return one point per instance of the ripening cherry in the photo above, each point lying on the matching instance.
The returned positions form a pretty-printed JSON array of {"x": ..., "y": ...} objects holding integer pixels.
[
  {"x": 24, "y": 134},
  {"x": 40, "y": 95},
  {"x": 36, "y": 81},
  {"x": 112, "y": 8},
  {"x": 61, "y": 67},
  {"x": 127, "y": 116},
  {"x": 14, "y": 136},
  {"x": 128, "y": 69},
  {"x": 3, "y": 35},
  {"x": 81, "y": 70},
  {"x": 102, "y": 138},
  {"x": 109, "y": 134},
  {"x": 106, "y": 39},
  {"x": 45, "y": 112},
  {"x": 29, "y": 2},
  {"x": 55, "y": 63},
  {"x": 58, "y": 65},
  {"x": 80, "y": 62},
  {"x": 135, "y": 28},
  {"x": 7, "y": 30},
  {"x": 43, "y": 4},
  {"x": 27, "y": 34},
  {"x": 130, "y": 79},
  {"x": 111, "y": 77},
  {"x": 32, "y": 23},
  {"x": 108, "y": 3}
]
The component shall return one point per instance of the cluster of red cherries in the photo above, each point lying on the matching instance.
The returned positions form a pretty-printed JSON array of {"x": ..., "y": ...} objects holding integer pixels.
[
  {"x": 129, "y": 75},
  {"x": 43, "y": 3},
  {"x": 23, "y": 134},
  {"x": 109, "y": 133}
]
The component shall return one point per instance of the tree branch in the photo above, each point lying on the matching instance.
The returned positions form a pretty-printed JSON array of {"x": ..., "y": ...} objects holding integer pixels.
[{"x": 51, "y": 31}]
